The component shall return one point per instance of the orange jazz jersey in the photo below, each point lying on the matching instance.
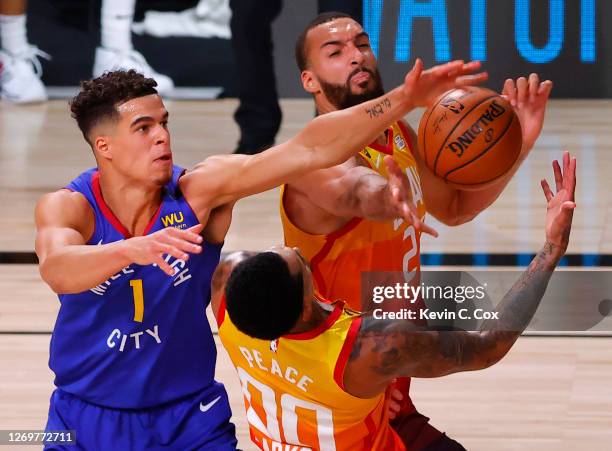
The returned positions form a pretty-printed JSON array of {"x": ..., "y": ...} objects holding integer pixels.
[
  {"x": 338, "y": 260},
  {"x": 293, "y": 389}
]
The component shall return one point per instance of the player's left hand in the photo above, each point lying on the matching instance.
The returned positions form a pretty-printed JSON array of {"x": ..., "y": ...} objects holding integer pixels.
[
  {"x": 529, "y": 98},
  {"x": 401, "y": 198}
]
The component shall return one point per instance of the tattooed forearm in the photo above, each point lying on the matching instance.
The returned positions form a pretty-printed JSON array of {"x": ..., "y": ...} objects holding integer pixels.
[
  {"x": 520, "y": 303},
  {"x": 390, "y": 348},
  {"x": 400, "y": 348},
  {"x": 379, "y": 108}
]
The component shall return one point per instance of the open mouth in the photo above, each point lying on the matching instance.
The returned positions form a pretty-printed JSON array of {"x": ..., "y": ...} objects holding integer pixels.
[{"x": 164, "y": 160}]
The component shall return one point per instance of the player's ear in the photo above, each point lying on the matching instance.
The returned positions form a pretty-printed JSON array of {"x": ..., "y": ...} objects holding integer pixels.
[
  {"x": 309, "y": 82},
  {"x": 102, "y": 146}
]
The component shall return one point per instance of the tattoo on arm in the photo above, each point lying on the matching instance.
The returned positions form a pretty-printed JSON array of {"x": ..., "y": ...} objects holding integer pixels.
[
  {"x": 400, "y": 348},
  {"x": 519, "y": 305},
  {"x": 380, "y": 108},
  {"x": 392, "y": 348}
]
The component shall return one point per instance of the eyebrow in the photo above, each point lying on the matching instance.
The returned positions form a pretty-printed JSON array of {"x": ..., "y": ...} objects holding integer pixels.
[
  {"x": 140, "y": 119},
  {"x": 338, "y": 42}
]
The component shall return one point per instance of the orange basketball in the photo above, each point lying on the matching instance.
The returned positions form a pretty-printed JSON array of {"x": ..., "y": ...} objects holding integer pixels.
[{"x": 470, "y": 136}]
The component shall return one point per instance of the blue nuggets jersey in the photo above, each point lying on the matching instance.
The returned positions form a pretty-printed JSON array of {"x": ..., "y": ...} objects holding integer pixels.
[{"x": 141, "y": 338}]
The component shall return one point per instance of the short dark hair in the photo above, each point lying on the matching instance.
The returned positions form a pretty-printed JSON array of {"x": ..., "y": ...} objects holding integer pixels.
[
  {"x": 263, "y": 299},
  {"x": 98, "y": 98},
  {"x": 301, "y": 57}
]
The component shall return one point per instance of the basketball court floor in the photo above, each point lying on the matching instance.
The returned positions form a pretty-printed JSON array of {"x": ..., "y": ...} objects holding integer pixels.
[{"x": 552, "y": 392}]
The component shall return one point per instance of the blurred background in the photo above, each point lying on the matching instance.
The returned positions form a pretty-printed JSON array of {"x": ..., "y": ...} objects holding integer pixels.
[{"x": 564, "y": 40}]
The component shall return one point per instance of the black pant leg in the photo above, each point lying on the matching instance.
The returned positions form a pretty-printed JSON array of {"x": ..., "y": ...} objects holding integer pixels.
[{"x": 259, "y": 115}]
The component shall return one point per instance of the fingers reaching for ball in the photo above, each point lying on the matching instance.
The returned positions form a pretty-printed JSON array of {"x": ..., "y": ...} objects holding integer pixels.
[
  {"x": 560, "y": 204},
  {"x": 526, "y": 90},
  {"x": 402, "y": 198}
]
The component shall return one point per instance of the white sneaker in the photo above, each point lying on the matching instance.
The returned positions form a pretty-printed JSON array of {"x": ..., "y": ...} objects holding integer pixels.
[
  {"x": 210, "y": 19},
  {"x": 20, "y": 76},
  {"x": 109, "y": 60}
]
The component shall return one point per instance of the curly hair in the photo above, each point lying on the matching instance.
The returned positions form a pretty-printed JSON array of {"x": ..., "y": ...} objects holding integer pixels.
[
  {"x": 263, "y": 299},
  {"x": 98, "y": 98}
]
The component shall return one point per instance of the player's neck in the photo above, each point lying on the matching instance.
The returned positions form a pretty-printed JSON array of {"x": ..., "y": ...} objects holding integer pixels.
[
  {"x": 132, "y": 203},
  {"x": 324, "y": 108},
  {"x": 318, "y": 317}
]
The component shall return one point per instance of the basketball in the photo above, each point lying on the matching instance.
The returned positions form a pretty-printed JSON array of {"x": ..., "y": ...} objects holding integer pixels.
[{"x": 470, "y": 136}]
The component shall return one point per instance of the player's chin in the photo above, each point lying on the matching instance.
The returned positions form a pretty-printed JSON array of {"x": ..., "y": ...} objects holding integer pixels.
[
  {"x": 161, "y": 175},
  {"x": 366, "y": 90},
  {"x": 362, "y": 87}
]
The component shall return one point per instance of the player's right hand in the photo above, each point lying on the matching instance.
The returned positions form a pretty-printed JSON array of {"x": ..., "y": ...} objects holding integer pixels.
[
  {"x": 560, "y": 206},
  {"x": 401, "y": 198},
  {"x": 150, "y": 249},
  {"x": 422, "y": 87}
]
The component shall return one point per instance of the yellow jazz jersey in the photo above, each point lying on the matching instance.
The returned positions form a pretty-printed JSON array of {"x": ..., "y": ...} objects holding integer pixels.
[
  {"x": 338, "y": 259},
  {"x": 293, "y": 389}
]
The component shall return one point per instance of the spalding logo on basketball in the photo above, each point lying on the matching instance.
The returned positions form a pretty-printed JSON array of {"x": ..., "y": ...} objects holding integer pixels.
[{"x": 470, "y": 136}]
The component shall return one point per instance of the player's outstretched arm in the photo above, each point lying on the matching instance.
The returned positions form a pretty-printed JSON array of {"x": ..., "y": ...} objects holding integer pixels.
[
  {"x": 386, "y": 349},
  {"x": 64, "y": 224},
  {"x": 327, "y": 140}
]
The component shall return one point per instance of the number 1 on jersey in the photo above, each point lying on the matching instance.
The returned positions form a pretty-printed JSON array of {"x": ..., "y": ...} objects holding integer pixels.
[{"x": 136, "y": 285}]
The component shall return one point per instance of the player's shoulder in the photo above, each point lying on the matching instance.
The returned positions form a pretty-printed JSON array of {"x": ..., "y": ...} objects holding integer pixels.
[
  {"x": 63, "y": 198},
  {"x": 70, "y": 207},
  {"x": 206, "y": 177},
  {"x": 214, "y": 163}
]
